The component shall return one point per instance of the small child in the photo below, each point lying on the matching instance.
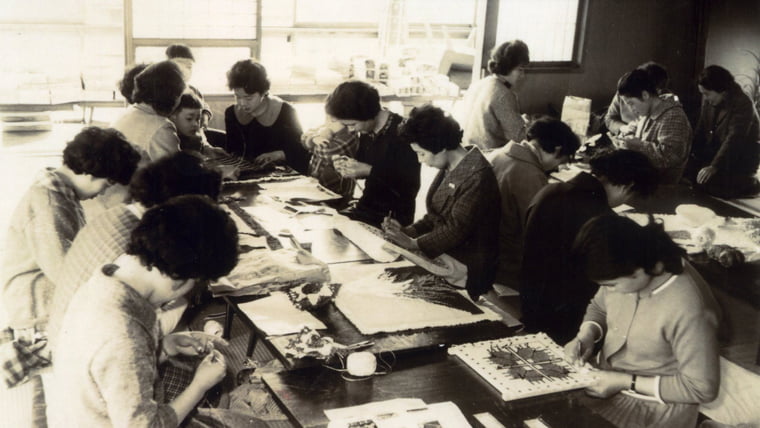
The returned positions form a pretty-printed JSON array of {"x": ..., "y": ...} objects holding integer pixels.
[
  {"x": 50, "y": 215},
  {"x": 187, "y": 117},
  {"x": 106, "y": 364}
]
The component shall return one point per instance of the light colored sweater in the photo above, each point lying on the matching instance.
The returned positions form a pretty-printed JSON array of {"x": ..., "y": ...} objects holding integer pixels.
[
  {"x": 491, "y": 114},
  {"x": 154, "y": 134},
  {"x": 42, "y": 227},
  {"x": 669, "y": 334},
  {"x": 106, "y": 362}
]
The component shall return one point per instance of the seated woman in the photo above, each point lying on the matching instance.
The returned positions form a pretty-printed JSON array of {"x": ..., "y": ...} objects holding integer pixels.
[
  {"x": 387, "y": 163},
  {"x": 330, "y": 141},
  {"x": 491, "y": 111},
  {"x": 462, "y": 203},
  {"x": 659, "y": 352},
  {"x": 106, "y": 365},
  {"x": 146, "y": 123},
  {"x": 620, "y": 118},
  {"x": 261, "y": 128},
  {"x": 726, "y": 151}
]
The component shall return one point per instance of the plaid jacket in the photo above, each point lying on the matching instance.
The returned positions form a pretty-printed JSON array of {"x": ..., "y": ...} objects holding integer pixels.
[
  {"x": 666, "y": 139},
  {"x": 462, "y": 220}
]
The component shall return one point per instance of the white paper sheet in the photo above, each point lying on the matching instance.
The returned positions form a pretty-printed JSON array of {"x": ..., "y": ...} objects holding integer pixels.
[{"x": 275, "y": 315}]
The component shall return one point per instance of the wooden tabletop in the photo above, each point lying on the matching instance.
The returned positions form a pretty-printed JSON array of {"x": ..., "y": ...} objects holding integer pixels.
[{"x": 432, "y": 376}]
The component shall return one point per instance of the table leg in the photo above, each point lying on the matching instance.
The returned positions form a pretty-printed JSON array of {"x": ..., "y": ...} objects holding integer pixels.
[
  {"x": 251, "y": 344},
  {"x": 228, "y": 321}
]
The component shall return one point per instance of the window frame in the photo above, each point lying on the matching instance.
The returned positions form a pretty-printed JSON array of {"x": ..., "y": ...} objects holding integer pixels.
[
  {"x": 575, "y": 64},
  {"x": 131, "y": 43}
]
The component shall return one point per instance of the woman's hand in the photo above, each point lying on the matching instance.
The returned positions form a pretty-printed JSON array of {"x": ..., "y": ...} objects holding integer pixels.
[
  {"x": 393, "y": 232},
  {"x": 190, "y": 343},
  {"x": 705, "y": 174},
  {"x": 266, "y": 159},
  {"x": 351, "y": 168},
  {"x": 578, "y": 351},
  {"x": 608, "y": 383},
  {"x": 210, "y": 371}
]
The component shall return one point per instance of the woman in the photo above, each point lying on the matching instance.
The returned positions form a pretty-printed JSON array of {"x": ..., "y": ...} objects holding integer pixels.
[
  {"x": 388, "y": 164},
  {"x": 146, "y": 123},
  {"x": 659, "y": 356},
  {"x": 726, "y": 153},
  {"x": 491, "y": 114},
  {"x": 462, "y": 203},
  {"x": 261, "y": 128}
]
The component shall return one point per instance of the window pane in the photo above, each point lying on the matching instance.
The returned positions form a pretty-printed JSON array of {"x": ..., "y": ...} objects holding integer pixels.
[
  {"x": 194, "y": 19},
  {"x": 441, "y": 11},
  {"x": 211, "y": 64},
  {"x": 340, "y": 11},
  {"x": 547, "y": 26}
]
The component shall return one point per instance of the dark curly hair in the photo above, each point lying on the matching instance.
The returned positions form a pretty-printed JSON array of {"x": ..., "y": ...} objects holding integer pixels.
[
  {"x": 623, "y": 167},
  {"x": 178, "y": 174},
  {"x": 508, "y": 56},
  {"x": 715, "y": 78},
  {"x": 187, "y": 237},
  {"x": 178, "y": 50},
  {"x": 613, "y": 246},
  {"x": 657, "y": 73},
  {"x": 353, "y": 100},
  {"x": 634, "y": 84},
  {"x": 189, "y": 100},
  {"x": 103, "y": 153},
  {"x": 552, "y": 133},
  {"x": 249, "y": 75},
  {"x": 431, "y": 128},
  {"x": 127, "y": 82},
  {"x": 159, "y": 86}
]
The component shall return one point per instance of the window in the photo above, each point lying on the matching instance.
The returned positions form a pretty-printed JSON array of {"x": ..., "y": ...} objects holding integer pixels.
[
  {"x": 61, "y": 51},
  {"x": 219, "y": 32},
  {"x": 552, "y": 29}
]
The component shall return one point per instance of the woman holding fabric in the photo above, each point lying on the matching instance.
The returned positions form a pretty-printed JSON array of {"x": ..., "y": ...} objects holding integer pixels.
[
  {"x": 659, "y": 352},
  {"x": 463, "y": 206}
]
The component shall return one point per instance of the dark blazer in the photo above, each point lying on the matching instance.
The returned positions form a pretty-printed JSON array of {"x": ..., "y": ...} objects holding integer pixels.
[
  {"x": 394, "y": 181},
  {"x": 553, "y": 295},
  {"x": 462, "y": 220},
  {"x": 728, "y": 134}
]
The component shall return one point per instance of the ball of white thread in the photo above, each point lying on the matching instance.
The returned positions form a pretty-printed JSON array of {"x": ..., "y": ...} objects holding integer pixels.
[{"x": 361, "y": 364}]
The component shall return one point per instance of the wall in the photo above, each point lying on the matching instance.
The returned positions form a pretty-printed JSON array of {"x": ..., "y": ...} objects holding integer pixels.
[
  {"x": 619, "y": 36},
  {"x": 733, "y": 27}
]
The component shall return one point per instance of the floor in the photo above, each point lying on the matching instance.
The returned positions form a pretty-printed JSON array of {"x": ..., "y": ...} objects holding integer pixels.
[{"x": 22, "y": 155}]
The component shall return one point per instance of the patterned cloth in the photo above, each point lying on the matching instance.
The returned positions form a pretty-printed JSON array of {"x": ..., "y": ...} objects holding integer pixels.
[
  {"x": 491, "y": 114},
  {"x": 41, "y": 230},
  {"x": 19, "y": 361},
  {"x": 99, "y": 242},
  {"x": 321, "y": 166},
  {"x": 462, "y": 220},
  {"x": 665, "y": 138}
]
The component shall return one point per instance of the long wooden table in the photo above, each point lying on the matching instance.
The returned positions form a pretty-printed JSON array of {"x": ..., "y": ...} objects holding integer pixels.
[{"x": 432, "y": 376}]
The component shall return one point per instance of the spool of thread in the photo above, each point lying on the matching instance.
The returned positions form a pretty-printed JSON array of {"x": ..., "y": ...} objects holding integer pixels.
[
  {"x": 213, "y": 328},
  {"x": 361, "y": 364}
]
